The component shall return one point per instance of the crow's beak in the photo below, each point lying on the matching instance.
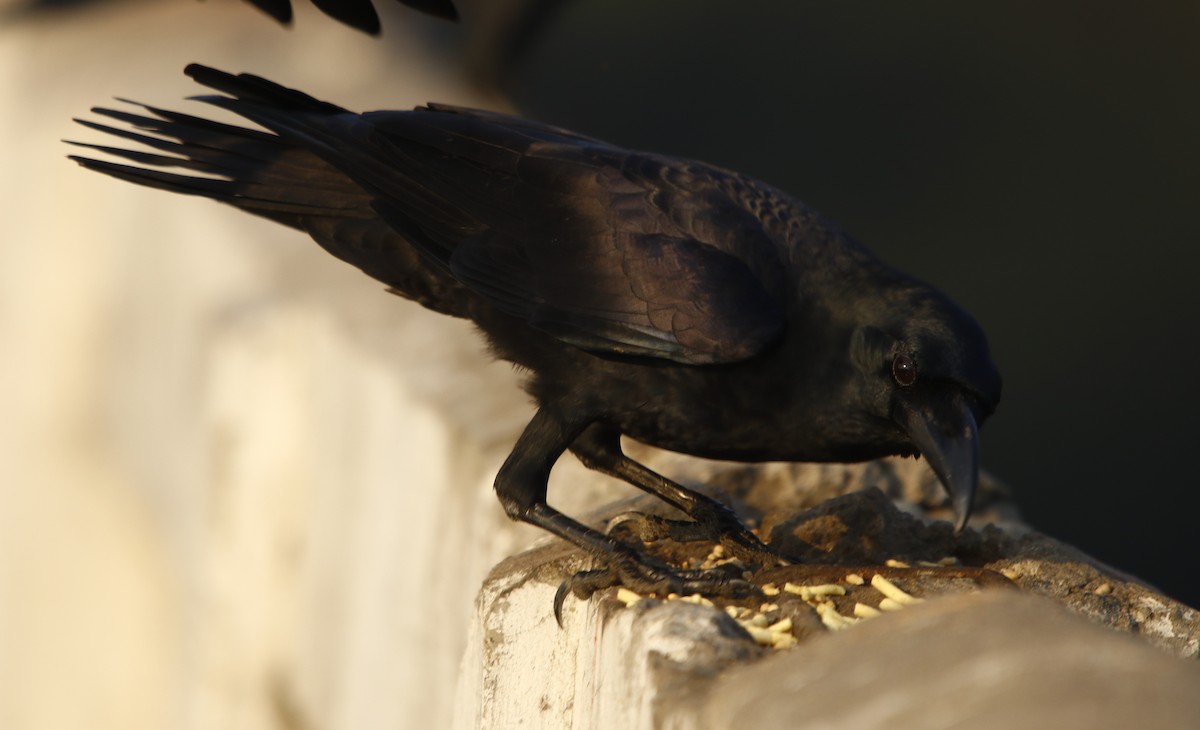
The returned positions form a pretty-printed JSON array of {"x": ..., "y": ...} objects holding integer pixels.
[{"x": 947, "y": 436}]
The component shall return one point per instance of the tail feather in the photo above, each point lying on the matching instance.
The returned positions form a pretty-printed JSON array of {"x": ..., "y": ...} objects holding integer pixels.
[
  {"x": 254, "y": 171},
  {"x": 226, "y": 149},
  {"x": 186, "y": 156},
  {"x": 250, "y": 197},
  {"x": 271, "y": 176},
  {"x": 249, "y": 87}
]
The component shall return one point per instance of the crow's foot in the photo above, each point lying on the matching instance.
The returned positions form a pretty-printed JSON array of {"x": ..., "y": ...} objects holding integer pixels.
[
  {"x": 644, "y": 574},
  {"x": 720, "y": 527}
]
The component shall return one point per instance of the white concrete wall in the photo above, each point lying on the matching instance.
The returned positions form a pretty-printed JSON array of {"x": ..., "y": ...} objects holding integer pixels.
[{"x": 241, "y": 486}]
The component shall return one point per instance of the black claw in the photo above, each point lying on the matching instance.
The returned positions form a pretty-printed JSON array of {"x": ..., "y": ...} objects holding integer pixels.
[
  {"x": 583, "y": 584},
  {"x": 559, "y": 596}
]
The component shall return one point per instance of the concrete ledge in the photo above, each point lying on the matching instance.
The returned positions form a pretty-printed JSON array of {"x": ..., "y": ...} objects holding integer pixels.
[
  {"x": 606, "y": 667},
  {"x": 991, "y": 659},
  {"x": 1064, "y": 642}
]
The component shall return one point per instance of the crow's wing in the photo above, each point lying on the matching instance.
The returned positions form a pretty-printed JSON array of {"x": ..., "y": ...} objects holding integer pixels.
[
  {"x": 613, "y": 251},
  {"x": 625, "y": 253},
  {"x": 610, "y": 250}
]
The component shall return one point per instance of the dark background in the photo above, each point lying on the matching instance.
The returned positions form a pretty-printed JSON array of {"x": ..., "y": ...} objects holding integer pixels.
[{"x": 1040, "y": 162}]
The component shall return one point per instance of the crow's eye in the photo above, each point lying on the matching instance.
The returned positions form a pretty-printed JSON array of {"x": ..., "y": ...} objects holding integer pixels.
[{"x": 904, "y": 370}]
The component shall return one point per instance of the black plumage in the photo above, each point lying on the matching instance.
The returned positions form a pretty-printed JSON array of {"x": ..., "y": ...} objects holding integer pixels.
[{"x": 682, "y": 305}]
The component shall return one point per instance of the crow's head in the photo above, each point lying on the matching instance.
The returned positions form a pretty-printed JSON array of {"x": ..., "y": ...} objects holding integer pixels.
[{"x": 925, "y": 370}]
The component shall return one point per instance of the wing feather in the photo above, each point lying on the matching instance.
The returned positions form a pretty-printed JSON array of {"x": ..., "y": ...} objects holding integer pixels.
[{"x": 614, "y": 251}]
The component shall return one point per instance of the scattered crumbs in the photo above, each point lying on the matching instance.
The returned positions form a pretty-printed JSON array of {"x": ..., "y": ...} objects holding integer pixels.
[
  {"x": 760, "y": 634},
  {"x": 889, "y": 589},
  {"x": 628, "y": 597},
  {"x": 776, "y": 635},
  {"x": 715, "y": 558},
  {"x": 862, "y": 610},
  {"x": 767, "y": 628},
  {"x": 833, "y": 620},
  {"x": 695, "y": 598},
  {"x": 809, "y": 592}
]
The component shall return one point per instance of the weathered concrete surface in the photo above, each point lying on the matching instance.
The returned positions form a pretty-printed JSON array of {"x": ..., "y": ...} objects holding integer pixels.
[
  {"x": 822, "y": 514},
  {"x": 607, "y": 666},
  {"x": 1000, "y": 658},
  {"x": 1019, "y": 631},
  {"x": 865, "y": 528},
  {"x": 997, "y": 659}
]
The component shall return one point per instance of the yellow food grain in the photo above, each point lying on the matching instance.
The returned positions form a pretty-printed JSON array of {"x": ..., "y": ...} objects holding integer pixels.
[
  {"x": 628, "y": 597},
  {"x": 862, "y": 610},
  {"x": 889, "y": 605},
  {"x": 760, "y": 635},
  {"x": 889, "y": 589},
  {"x": 808, "y": 592}
]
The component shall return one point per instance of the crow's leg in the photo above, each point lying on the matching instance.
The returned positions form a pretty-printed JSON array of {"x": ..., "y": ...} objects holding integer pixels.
[
  {"x": 599, "y": 448},
  {"x": 521, "y": 487}
]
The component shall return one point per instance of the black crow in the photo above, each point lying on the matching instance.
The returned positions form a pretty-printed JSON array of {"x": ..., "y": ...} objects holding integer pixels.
[{"x": 677, "y": 303}]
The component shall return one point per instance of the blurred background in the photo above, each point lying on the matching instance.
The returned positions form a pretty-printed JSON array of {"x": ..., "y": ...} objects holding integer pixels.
[{"x": 212, "y": 431}]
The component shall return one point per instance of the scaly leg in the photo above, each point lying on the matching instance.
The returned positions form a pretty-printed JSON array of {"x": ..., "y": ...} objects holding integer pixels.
[
  {"x": 599, "y": 448},
  {"x": 521, "y": 487}
]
